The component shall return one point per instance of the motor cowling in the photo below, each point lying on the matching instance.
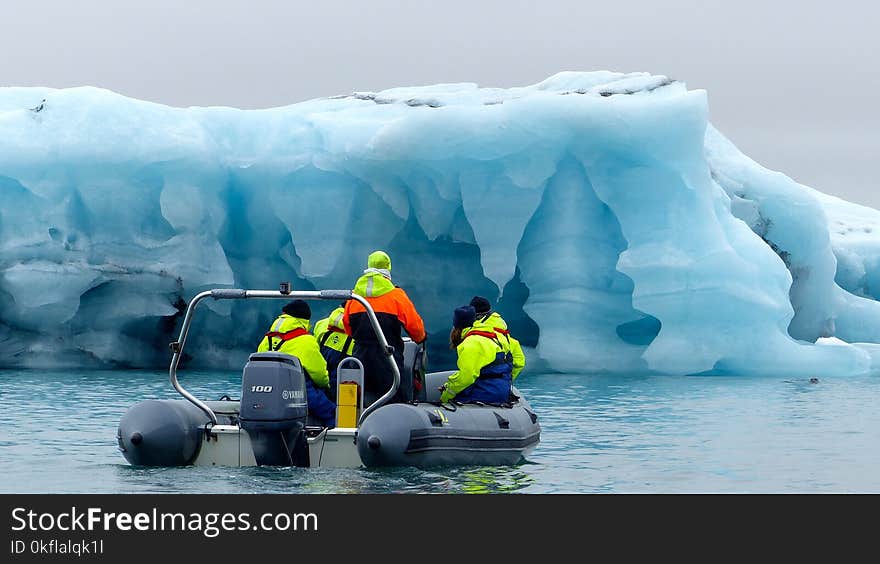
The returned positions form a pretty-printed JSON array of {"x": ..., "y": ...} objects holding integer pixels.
[{"x": 274, "y": 409}]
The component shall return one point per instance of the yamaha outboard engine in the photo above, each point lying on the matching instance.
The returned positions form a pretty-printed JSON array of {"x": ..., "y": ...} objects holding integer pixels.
[{"x": 274, "y": 409}]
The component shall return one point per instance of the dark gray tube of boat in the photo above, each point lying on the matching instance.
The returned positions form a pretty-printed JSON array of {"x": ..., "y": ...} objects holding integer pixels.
[
  {"x": 161, "y": 433},
  {"x": 426, "y": 435}
]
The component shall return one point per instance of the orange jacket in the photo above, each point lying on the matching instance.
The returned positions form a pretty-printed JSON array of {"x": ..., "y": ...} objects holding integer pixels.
[{"x": 394, "y": 311}]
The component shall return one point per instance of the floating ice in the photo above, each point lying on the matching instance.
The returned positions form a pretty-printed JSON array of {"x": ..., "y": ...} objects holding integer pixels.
[{"x": 619, "y": 231}]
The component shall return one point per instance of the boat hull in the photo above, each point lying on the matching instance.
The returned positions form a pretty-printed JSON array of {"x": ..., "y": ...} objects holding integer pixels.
[
  {"x": 423, "y": 435},
  {"x": 429, "y": 435}
]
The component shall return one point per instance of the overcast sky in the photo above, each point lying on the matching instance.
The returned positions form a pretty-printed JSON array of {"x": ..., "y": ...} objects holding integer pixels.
[{"x": 793, "y": 84}]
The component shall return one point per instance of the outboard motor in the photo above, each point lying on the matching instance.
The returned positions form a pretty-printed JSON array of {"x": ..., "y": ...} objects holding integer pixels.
[{"x": 274, "y": 409}]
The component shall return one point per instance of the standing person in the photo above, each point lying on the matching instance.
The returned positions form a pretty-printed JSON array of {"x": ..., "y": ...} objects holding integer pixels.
[
  {"x": 395, "y": 313},
  {"x": 290, "y": 334},
  {"x": 485, "y": 314},
  {"x": 334, "y": 342},
  {"x": 484, "y": 367}
]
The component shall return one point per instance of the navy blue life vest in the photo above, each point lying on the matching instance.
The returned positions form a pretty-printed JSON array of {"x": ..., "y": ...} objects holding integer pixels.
[
  {"x": 330, "y": 330},
  {"x": 502, "y": 366}
]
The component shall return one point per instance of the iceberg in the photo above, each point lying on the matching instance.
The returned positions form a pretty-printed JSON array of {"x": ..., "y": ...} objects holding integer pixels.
[{"x": 615, "y": 228}]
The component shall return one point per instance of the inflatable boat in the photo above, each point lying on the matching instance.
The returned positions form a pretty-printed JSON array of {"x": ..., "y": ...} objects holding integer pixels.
[{"x": 270, "y": 425}]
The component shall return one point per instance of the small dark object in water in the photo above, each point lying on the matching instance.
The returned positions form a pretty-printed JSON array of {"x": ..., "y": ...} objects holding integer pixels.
[{"x": 814, "y": 380}]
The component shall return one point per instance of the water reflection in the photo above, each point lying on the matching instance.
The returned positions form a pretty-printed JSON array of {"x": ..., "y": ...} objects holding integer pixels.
[{"x": 485, "y": 480}]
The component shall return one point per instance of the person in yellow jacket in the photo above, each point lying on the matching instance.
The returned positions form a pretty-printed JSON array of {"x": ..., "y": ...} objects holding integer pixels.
[
  {"x": 484, "y": 367},
  {"x": 485, "y": 314},
  {"x": 334, "y": 342},
  {"x": 290, "y": 334}
]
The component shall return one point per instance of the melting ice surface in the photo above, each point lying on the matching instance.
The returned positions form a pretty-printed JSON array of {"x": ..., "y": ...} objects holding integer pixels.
[{"x": 616, "y": 228}]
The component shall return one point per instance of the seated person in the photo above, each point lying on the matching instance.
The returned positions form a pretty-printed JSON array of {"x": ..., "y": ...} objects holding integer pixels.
[
  {"x": 334, "y": 342},
  {"x": 484, "y": 367},
  {"x": 290, "y": 334},
  {"x": 494, "y": 319}
]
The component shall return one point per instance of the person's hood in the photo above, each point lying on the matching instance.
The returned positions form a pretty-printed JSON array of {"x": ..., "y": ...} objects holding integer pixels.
[
  {"x": 335, "y": 318},
  {"x": 383, "y": 271},
  {"x": 290, "y": 323},
  {"x": 373, "y": 284},
  {"x": 495, "y": 320},
  {"x": 478, "y": 326}
]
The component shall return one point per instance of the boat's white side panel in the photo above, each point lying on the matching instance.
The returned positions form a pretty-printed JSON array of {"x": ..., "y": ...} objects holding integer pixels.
[
  {"x": 335, "y": 448},
  {"x": 227, "y": 445},
  {"x": 316, "y": 445}
]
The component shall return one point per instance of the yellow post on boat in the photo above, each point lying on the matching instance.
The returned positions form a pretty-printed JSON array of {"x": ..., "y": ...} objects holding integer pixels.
[{"x": 347, "y": 405}]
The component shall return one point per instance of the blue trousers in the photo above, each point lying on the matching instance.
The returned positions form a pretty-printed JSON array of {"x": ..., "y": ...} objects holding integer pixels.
[
  {"x": 333, "y": 358},
  {"x": 486, "y": 390},
  {"x": 320, "y": 405}
]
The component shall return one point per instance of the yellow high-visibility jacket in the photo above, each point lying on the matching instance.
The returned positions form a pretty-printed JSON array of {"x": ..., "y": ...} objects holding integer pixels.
[
  {"x": 337, "y": 337},
  {"x": 303, "y": 346},
  {"x": 508, "y": 343},
  {"x": 474, "y": 353}
]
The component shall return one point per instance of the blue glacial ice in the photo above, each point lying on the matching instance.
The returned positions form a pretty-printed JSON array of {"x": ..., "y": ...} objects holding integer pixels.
[{"x": 618, "y": 230}]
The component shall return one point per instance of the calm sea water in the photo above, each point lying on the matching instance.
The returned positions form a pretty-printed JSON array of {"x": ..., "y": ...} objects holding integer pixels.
[{"x": 600, "y": 434}]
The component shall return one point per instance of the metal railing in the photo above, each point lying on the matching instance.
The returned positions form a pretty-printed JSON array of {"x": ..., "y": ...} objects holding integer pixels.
[{"x": 238, "y": 294}]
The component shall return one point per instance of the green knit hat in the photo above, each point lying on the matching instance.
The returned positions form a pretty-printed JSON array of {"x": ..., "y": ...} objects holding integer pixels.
[{"x": 380, "y": 260}]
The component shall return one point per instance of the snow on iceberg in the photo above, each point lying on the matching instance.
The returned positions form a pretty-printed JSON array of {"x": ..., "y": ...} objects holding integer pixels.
[{"x": 617, "y": 230}]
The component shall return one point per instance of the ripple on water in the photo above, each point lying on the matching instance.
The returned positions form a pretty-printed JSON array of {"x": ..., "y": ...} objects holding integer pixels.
[{"x": 600, "y": 434}]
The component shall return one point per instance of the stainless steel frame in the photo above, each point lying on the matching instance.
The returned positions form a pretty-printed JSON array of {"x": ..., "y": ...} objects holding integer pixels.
[{"x": 238, "y": 294}]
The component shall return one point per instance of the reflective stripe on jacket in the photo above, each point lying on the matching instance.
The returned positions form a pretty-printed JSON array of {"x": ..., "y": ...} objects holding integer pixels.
[
  {"x": 330, "y": 332},
  {"x": 393, "y": 308}
]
